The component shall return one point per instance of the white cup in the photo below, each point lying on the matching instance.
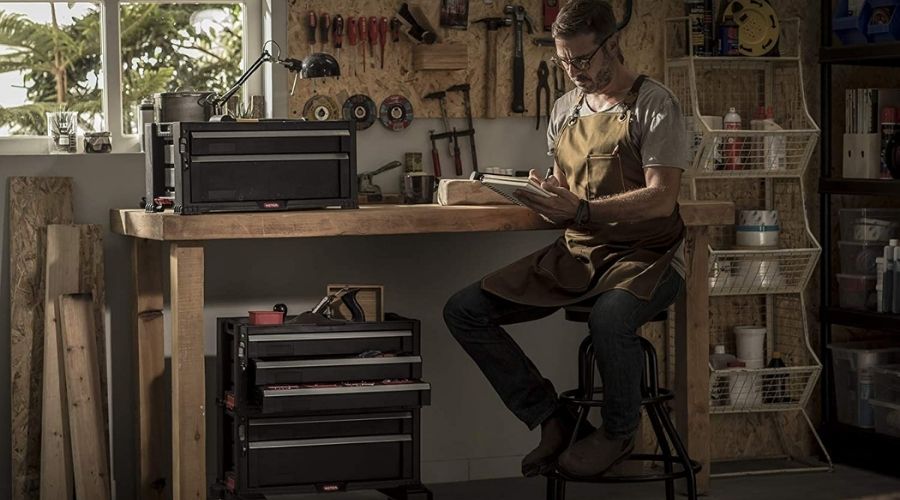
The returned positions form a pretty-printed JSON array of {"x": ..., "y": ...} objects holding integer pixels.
[{"x": 750, "y": 341}]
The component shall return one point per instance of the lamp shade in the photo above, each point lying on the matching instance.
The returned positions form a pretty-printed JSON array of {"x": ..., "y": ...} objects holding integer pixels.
[{"x": 319, "y": 65}]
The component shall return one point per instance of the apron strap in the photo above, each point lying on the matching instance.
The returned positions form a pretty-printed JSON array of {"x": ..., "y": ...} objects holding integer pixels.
[{"x": 632, "y": 95}]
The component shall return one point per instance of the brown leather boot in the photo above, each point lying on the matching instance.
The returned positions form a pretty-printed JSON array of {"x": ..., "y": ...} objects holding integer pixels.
[
  {"x": 556, "y": 431},
  {"x": 594, "y": 455}
]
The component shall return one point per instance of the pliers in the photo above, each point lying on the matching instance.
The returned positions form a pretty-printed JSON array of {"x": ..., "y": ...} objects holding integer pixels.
[
  {"x": 543, "y": 72},
  {"x": 559, "y": 82}
]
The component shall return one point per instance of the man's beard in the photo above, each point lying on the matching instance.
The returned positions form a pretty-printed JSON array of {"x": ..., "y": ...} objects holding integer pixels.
[{"x": 600, "y": 80}]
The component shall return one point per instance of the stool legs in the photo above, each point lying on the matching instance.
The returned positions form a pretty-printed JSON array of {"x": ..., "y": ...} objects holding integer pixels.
[
  {"x": 556, "y": 488},
  {"x": 653, "y": 414},
  {"x": 690, "y": 478}
]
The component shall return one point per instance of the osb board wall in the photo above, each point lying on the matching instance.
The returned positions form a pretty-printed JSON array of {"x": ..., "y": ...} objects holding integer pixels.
[
  {"x": 34, "y": 202},
  {"x": 642, "y": 45}
]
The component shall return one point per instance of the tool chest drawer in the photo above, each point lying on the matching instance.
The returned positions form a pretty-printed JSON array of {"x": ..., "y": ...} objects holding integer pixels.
[
  {"x": 300, "y": 371},
  {"x": 301, "y": 398},
  {"x": 290, "y": 452},
  {"x": 332, "y": 340}
]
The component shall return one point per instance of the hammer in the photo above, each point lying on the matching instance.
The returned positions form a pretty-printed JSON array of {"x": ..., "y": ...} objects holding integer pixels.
[
  {"x": 490, "y": 70},
  {"x": 441, "y": 96}
]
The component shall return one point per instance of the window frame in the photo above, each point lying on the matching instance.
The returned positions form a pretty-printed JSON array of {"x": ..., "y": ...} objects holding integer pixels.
[{"x": 258, "y": 18}]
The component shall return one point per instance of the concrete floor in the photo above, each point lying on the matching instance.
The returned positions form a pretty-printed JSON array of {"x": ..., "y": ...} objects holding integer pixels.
[{"x": 843, "y": 483}]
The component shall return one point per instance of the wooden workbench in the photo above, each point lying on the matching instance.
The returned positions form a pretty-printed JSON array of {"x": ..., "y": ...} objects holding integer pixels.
[{"x": 187, "y": 235}]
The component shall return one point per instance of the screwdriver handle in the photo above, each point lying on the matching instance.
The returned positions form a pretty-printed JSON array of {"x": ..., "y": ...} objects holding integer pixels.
[
  {"x": 395, "y": 29},
  {"x": 311, "y": 22},
  {"x": 382, "y": 38},
  {"x": 362, "y": 37},
  {"x": 373, "y": 33},
  {"x": 351, "y": 30},
  {"x": 324, "y": 28},
  {"x": 338, "y": 31}
]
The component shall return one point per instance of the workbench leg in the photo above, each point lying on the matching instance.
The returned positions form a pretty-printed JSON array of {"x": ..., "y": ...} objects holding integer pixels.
[
  {"x": 692, "y": 353},
  {"x": 188, "y": 382},
  {"x": 146, "y": 262}
]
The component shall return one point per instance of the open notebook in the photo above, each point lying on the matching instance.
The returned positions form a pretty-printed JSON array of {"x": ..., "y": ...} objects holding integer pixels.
[{"x": 506, "y": 185}]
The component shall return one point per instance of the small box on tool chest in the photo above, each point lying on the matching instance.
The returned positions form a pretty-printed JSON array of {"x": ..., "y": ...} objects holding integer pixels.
[
  {"x": 311, "y": 408},
  {"x": 197, "y": 167}
]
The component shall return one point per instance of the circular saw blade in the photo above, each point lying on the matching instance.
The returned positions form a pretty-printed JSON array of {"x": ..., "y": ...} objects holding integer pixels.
[
  {"x": 320, "y": 108},
  {"x": 396, "y": 112},
  {"x": 360, "y": 108}
]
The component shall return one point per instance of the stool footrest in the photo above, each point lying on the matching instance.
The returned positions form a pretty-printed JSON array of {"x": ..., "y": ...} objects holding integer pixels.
[
  {"x": 636, "y": 478},
  {"x": 574, "y": 397}
]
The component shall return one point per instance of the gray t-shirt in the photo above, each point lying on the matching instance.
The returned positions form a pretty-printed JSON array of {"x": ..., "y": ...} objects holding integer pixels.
[{"x": 658, "y": 130}]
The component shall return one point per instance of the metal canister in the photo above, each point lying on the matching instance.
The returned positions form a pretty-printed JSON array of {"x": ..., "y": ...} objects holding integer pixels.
[{"x": 182, "y": 107}]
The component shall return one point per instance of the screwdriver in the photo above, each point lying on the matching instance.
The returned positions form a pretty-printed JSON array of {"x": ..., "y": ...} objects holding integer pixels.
[
  {"x": 382, "y": 32},
  {"x": 351, "y": 34},
  {"x": 311, "y": 34},
  {"x": 362, "y": 39},
  {"x": 338, "y": 35},
  {"x": 324, "y": 25},
  {"x": 373, "y": 37},
  {"x": 395, "y": 29}
]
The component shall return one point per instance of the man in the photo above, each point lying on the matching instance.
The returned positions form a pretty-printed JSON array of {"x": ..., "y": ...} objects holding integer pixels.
[{"x": 619, "y": 146}]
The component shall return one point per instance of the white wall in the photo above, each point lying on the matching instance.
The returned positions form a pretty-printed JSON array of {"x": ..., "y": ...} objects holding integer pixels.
[{"x": 466, "y": 433}]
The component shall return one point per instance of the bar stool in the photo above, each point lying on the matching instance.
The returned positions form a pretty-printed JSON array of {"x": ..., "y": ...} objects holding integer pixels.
[{"x": 586, "y": 396}]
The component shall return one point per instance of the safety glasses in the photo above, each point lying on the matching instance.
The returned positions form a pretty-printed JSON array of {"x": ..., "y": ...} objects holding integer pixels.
[{"x": 581, "y": 63}]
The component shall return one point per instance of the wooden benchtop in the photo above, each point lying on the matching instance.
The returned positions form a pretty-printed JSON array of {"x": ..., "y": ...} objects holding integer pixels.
[{"x": 367, "y": 220}]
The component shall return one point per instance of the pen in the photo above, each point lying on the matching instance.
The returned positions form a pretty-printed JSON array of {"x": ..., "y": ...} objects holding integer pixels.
[{"x": 549, "y": 173}]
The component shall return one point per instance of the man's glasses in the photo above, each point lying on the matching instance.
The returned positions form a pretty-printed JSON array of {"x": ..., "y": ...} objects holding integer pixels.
[{"x": 580, "y": 63}]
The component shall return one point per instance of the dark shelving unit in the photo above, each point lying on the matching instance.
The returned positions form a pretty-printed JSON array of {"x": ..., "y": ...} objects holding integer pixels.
[{"x": 847, "y": 444}]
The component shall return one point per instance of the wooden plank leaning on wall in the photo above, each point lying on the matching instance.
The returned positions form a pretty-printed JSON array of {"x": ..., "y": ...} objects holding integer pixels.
[{"x": 34, "y": 202}]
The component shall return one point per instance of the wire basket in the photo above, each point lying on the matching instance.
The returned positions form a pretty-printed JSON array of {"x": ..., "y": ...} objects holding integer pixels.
[
  {"x": 707, "y": 87},
  {"x": 785, "y": 268},
  {"x": 739, "y": 390}
]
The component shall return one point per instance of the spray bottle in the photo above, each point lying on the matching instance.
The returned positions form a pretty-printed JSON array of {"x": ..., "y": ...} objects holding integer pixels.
[{"x": 732, "y": 121}]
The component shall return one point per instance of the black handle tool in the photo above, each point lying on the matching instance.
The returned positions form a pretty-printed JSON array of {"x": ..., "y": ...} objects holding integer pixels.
[
  {"x": 543, "y": 85},
  {"x": 519, "y": 17}
]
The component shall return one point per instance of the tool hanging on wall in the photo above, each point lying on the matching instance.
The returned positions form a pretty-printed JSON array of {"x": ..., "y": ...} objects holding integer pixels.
[
  {"x": 492, "y": 24},
  {"x": 382, "y": 37},
  {"x": 457, "y": 161},
  {"x": 338, "y": 36},
  {"x": 542, "y": 87},
  {"x": 455, "y": 14},
  {"x": 319, "y": 108},
  {"x": 395, "y": 29},
  {"x": 359, "y": 108},
  {"x": 415, "y": 29},
  {"x": 311, "y": 30},
  {"x": 352, "y": 34},
  {"x": 324, "y": 29},
  {"x": 550, "y": 9},
  {"x": 465, "y": 89},
  {"x": 559, "y": 82},
  {"x": 396, "y": 112},
  {"x": 435, "y": 156},
  {"x": 519, "y": 16},
  {"x": 373, "y": 37},
  {"x": 441, "y": 97},
  {"x": 363, "y": 37}
]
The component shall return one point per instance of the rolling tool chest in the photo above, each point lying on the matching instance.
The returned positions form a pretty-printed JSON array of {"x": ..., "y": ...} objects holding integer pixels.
[
  {"x": 320, "y": 408},
  {"x": 199, "y": 167}
]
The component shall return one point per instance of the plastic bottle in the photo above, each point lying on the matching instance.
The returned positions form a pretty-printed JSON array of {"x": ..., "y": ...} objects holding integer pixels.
[
  {"x": 774, "y": 387},
  {"x": 888, "y": 128},
  {"x": 732, "y": 121},
  {"x": 776, "y": 152},
  {"x": 887, "y": 294},
  {"x": 719, "y": 359},
  {"x": 879, "y": 283}
]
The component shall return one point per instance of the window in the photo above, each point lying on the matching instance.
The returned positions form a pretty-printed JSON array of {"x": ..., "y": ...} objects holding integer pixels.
[{"x": 53, "y": 57}]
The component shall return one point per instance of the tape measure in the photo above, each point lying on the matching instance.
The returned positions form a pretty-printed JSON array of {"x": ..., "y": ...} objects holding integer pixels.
[
  {"x": 396, "y": 112},
  {"x": 758, "y": 26},
  {"x": 359, "y": 108},
  {"x": 320, "y": 108}
]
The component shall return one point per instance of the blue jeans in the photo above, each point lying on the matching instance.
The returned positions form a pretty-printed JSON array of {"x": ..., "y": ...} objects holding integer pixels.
[{"x": 474, "y": 317}]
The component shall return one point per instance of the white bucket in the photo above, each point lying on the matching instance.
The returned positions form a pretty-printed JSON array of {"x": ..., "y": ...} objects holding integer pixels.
[{"x": 750, "y": 341}]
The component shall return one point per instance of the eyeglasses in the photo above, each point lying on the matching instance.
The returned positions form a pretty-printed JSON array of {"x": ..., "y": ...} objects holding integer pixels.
[{"x": 580, "y": 63}]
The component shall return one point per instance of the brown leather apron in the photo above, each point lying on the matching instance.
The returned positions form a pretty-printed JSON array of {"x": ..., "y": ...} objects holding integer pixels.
[{"x": 599, "y": 159}]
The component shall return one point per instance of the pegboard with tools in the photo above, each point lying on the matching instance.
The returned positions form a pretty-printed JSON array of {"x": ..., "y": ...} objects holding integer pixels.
[{"x": 360, "y": 53}]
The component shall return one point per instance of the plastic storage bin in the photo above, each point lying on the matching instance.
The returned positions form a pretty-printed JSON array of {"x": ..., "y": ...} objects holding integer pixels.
[
  {"x": 887, "y": 417},
  {"x": 858, "y": 257},
  {"x": 884, "y": 20},
  {"x": 887, "y": 383},
  {"x": 857, "y": 291},
  {"x": 851, "y": 30},
  {"x": 853, "y": 385},
  {"x": 869, "y": 224}
]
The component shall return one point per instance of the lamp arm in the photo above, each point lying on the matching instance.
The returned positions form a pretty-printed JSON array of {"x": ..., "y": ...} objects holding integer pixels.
[{"x": 217, "y": 100}]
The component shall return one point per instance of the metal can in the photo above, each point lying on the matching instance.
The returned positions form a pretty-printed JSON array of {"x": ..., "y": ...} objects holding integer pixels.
[{"x": 97, "y": 142}]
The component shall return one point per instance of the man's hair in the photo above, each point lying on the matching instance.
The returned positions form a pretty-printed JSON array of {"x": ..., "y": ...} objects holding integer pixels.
[{"x": 578, "y": 17}]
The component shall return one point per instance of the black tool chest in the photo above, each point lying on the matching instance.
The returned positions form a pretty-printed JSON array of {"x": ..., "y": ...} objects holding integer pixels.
[{"x": 320, "y": 408}]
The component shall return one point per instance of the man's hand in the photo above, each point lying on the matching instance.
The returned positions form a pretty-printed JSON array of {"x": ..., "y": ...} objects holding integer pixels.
[{"x": 559, "y": 209}]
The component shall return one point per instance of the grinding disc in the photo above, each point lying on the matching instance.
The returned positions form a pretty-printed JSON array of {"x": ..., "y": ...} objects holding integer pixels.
[
  {"x": 396, "y": 112},
  {"x": 320, "y": 108},
  {"x": 359, "y": 108},
  {"x": 758, "y": 26}
]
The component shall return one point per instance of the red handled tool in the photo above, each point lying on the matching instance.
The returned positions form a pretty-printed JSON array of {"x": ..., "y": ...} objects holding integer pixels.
[
  {"x": 382, "y": 37},
  {"x": 373, "y": 37},
  {"x": 456, "y": 159},
  {"x": 435, "y": 157},
  {"x": 352, "y": 33},
  {"x": 338, "y": 35},
  {"x": 311, "y": 34},
  {"x": 362, "y": 39},
  {"x": 324, "y": 28}
]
